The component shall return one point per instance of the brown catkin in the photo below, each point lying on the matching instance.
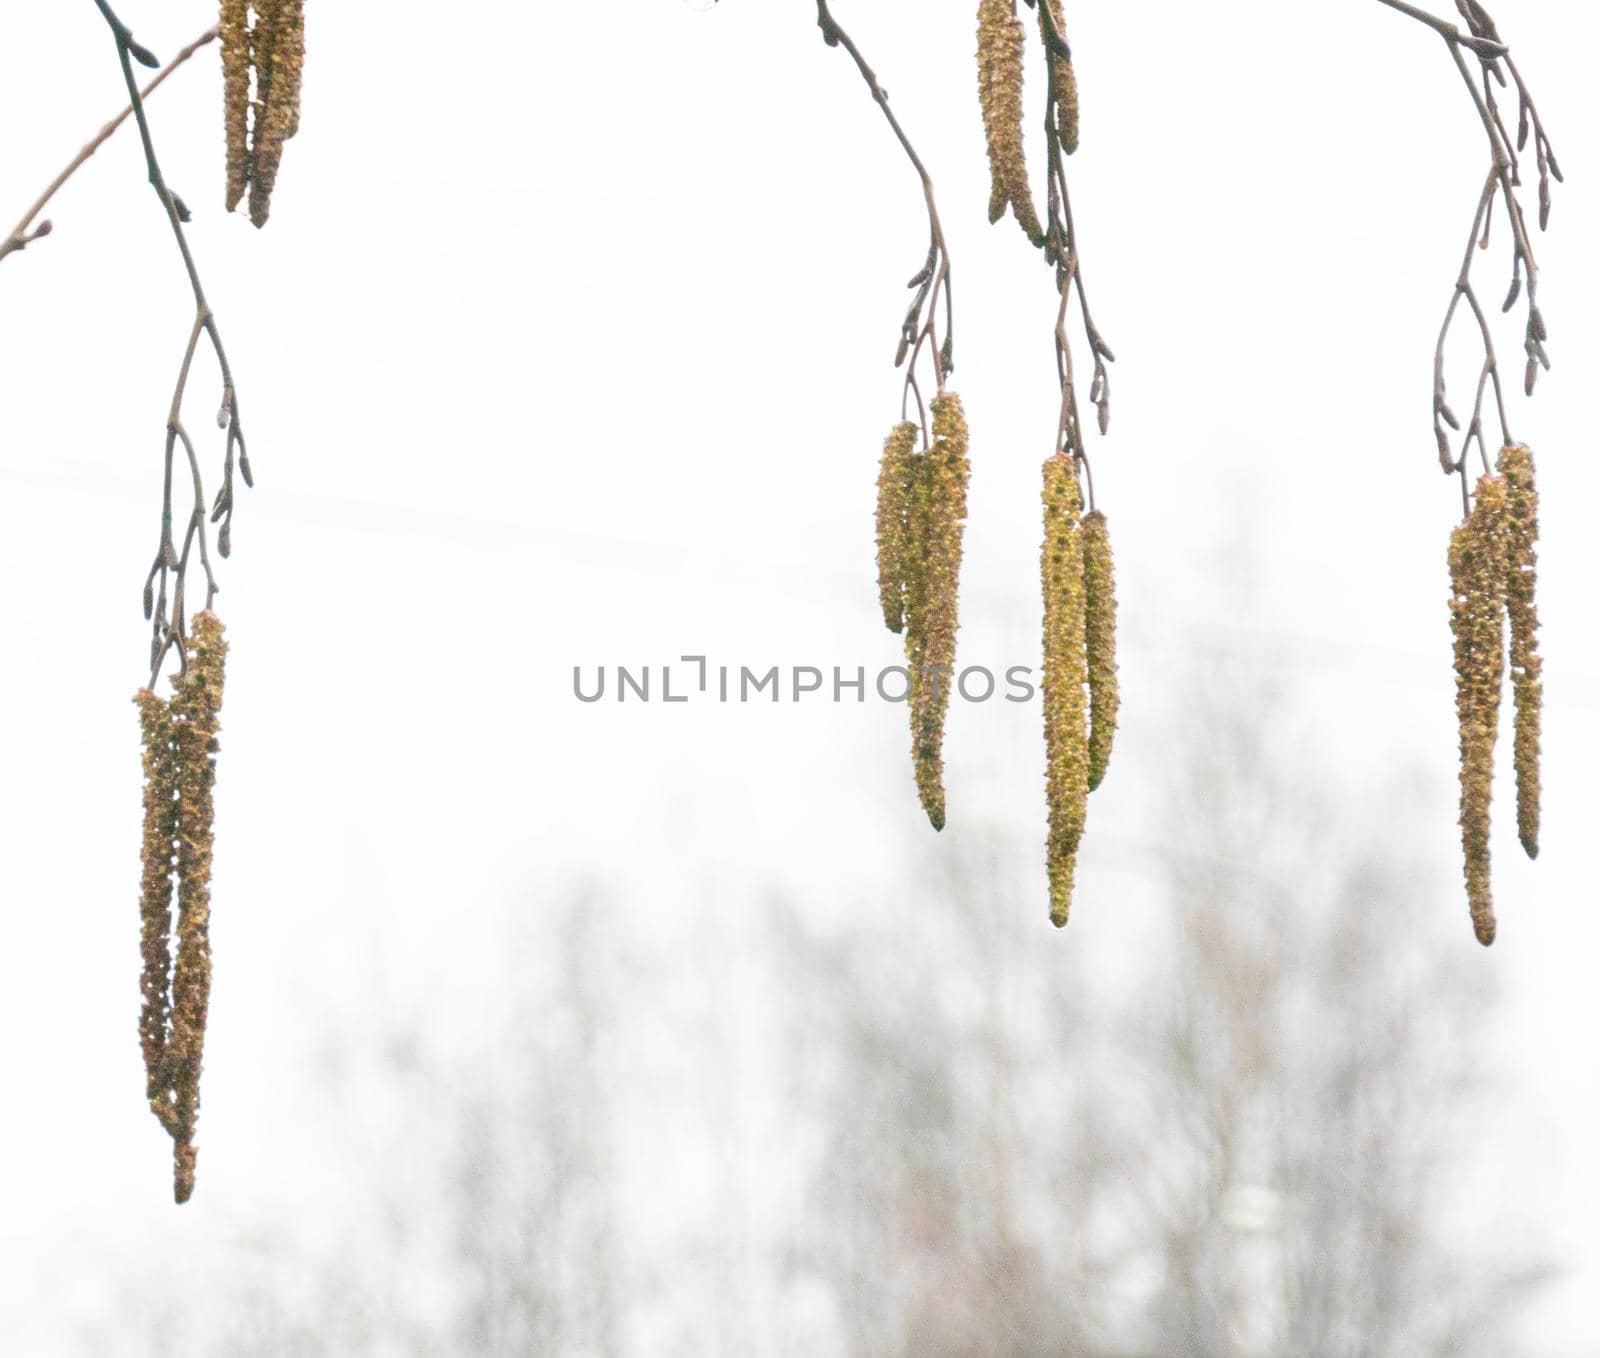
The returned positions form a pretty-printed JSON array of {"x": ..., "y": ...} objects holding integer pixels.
[
  {"x": 261, "y": 39},
  {"x": 195, "y": 708},
  {"x": 183, "y": 1154},
  {"x": 1063, "y": 80},
  {"x": 1527, "y": 684},
  {"x": 278, "y": 50},
  {"x": 1065, "y": 679},
  {"x": 895, "y": 471},
  {"x": 1477, "y": 608},
  {"x": 1100, "y": 642},
  {"x": 997, "y": 201},
  {"x": 931, "y": 644},
  {"x": 234, "y": 26},
  {"x": 1001, "y": 48},
  {"x": 158, "y": 861},
  {"x": 295, "y": 56}
]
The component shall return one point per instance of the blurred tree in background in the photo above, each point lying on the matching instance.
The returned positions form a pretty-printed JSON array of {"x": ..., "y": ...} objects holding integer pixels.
[{"x": 1259, "y": 1141}]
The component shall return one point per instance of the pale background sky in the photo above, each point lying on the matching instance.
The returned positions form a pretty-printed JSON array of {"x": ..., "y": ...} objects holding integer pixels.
[{"x": 568, "y": 343}]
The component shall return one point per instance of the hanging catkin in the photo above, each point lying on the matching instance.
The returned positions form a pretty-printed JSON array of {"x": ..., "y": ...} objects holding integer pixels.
[
  {"x": 278, "y": 53},
  {"x": 1100, "y": 642},
  {"x": 158, "y": 860},
  {"x": 895, "y": 471},
  {"x": 1522, "y": 536},
  {"x": 195, "y": 707},
  {"x": 1001, "y": 47},
  {"x": 234, "y": 25},
  {"x": 1477, "y": 609},
  {"x": 1063, "y": 79},
  {"x": 180, "y": 746},
  {"x": 1065, "y": 679},
  {"x": 932, "y": 596}
]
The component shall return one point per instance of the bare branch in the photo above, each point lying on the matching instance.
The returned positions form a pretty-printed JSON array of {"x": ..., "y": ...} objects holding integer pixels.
[
  {"x": 919, "y": 331},
  {"x": 167, "y": 624},
  {"x": 1061, "y": 249},
  {"x": 1484, "y": 46},
  {"x": 20, "y": 235},
  {"x": 1495, "y": 68}
]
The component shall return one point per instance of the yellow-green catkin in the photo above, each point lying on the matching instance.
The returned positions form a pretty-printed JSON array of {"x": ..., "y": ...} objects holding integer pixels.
[
  {"x": 1063, "y": 81},
  {"x": 278, "y": 53},
  {"x": 1527, "y": 684},
  {"x": 158, "y": 860},
  {"x": 195, "y": 708},
  {"x": 1477, "y": 609},
  {"x": 1100, "y": 642},
  {"x": 1065, "y": 679},
  {"x": 914, "y": 561},
  {"x": 941, "y": 500},
  {"x": 233, "y": 24},
  {"x": 1001, "y": 48},
  {"x": 895, "y": 471}
]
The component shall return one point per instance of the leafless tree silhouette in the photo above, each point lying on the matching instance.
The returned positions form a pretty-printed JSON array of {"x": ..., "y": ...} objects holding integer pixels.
[{"x": 1258, "y": 1141}]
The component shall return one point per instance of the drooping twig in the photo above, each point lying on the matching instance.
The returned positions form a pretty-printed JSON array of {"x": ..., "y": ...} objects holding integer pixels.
[
  {"x": 922, "y": 494},
  {"x": 25, "y": 232},
  {"x": 1062, "y": 250},
  {"x": 1062, "y": 242},
  {"x": 165, "y": 610},
  {"x": 919, "y": 331},
  {"x": 1481, "y": 46},
  {"x": 1495, "y": 69}
]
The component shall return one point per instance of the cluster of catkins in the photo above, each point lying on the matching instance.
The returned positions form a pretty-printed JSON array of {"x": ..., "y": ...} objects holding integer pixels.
[
  {"x": 1080, "y": 668},
  {"x": 273, "y": 50},
  {"x": 1492, "y": 575},
  {"x": 1001, "y": 51},
  {"x": 922, "y": 512},
  {"x": 180, "y": 745},
  {"x": 1080, "y": 611}
]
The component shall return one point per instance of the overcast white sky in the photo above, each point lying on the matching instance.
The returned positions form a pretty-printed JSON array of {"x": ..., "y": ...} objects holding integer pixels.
[{"x": 568, "y": 344}]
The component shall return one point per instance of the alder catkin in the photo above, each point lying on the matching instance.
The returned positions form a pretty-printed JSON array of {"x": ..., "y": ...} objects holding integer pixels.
[
  {"x": 1001, "y": 48},
  {"x": 295, "y": 56},
  {"x": 997, "y": 201},
  {"x": 1100, "y": 642},
  {"x": 1065, "y": 679},
  {"x": 1477, "y": 608},
  {"x": 1527, "y": 685},
  {"x": 895, "y": 471},
  {"x": 158, "y": 861},
  {"x": 278, "y": 50},
  {"x": 195, "y": 708},
  {"x": 933, "y": 612},
  {"x": 1063, "y": 80},
  {"x": 233, "y": 24}
]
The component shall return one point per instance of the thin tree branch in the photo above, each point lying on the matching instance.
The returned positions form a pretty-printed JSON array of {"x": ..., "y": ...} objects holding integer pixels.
[
  {"x": 919, "y": 330},
  {"x": 1062, "y": 251},
  {"x": 21, "y": 236},
  {"x": 1503, "y": 180},
  {"x": 168, "y": 624},
  {"x": 1486, "y": 47}
]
